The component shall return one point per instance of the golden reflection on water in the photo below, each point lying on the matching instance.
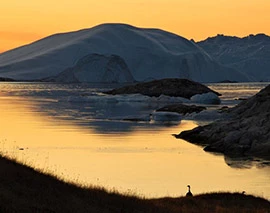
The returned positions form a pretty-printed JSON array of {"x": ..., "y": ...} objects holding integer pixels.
[{"x": 150, "y": 162}]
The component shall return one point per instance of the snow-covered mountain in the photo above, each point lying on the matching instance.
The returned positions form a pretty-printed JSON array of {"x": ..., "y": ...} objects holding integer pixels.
[
  {"x": 250, "y": 55},
  {"x": 146, "y": 53}
]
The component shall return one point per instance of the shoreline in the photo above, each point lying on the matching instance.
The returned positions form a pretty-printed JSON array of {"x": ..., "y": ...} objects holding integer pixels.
[{"x": 24, "y": 189}]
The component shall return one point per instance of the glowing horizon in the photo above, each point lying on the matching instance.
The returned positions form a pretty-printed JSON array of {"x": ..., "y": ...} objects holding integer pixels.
[{"x": 26, "y": 21}]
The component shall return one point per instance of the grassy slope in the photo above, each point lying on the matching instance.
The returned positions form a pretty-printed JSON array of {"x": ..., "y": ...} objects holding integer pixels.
[{"x": 22, "y": 189}]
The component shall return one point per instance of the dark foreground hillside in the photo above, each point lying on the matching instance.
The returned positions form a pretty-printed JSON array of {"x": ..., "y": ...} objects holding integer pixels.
[{"x": 22, "y": 189}]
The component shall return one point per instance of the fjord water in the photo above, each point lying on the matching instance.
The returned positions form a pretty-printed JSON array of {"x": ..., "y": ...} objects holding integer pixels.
[{"x": 79, "y": 134}]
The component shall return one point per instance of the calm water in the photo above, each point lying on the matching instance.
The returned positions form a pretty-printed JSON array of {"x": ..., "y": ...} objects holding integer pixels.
[{"x": 79, "y": 134}]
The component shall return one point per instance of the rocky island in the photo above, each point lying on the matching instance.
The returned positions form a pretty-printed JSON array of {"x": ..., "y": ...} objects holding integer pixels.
[
  {"x": 171, "y": 87},
  {"x": 245, "y": 132},
  {"x": 181, "y": 108}
]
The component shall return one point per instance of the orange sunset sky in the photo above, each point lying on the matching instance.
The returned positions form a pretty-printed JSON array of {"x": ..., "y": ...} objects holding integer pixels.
[{"x": 24, "y": 21}]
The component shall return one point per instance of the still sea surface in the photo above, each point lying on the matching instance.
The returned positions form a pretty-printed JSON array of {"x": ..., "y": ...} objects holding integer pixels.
[{"x": 81, "y": 135}]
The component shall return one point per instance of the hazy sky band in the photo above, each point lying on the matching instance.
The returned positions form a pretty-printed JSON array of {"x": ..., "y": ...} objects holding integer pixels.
[{"x": 25, "y": 21}]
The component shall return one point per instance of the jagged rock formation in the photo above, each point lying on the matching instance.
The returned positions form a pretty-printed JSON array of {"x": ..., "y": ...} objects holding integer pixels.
[
  {"x": 170, "y": 87},
  {"x": 245, "y": 133}
]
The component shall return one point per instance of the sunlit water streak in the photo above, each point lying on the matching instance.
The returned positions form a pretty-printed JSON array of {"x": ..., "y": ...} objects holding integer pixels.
[{"x": 79, "y": 143}]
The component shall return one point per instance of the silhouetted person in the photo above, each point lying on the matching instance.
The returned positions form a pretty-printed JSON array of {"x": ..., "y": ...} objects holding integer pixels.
[{"x": 189, "y": 194}]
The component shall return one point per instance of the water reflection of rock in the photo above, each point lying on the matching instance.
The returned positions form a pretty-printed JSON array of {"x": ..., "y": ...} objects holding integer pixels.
[
  {"x": 246, "y": 162},
  {"x": 239, "y": 162}
]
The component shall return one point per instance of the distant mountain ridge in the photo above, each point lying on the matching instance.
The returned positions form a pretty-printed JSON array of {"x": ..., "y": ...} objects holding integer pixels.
[
  {"x": 249, "y": 55},
  {"x": 148, "y": 54}
]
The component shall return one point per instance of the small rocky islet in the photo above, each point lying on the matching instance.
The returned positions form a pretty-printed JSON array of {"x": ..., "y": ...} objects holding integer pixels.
[
  {"x": 174, "y": 87},
  {"x": 181, "y": 108}
]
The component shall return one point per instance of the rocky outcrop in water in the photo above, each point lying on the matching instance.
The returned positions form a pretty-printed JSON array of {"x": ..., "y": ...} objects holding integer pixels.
[
  {"x": 245, "y": 133},
  {"x": 170, "y": 87},
  {"x": 182, "y": 108}
]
